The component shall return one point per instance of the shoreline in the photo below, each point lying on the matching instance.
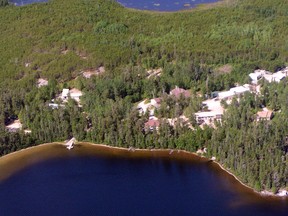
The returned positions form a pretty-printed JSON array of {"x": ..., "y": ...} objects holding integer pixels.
[
  {"x": 216, "y": 163},
  {"x": 58, "y": 149},
  {"x": 198, "y": 7}
]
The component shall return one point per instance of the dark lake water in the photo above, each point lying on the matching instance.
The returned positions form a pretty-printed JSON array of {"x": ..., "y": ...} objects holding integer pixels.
[
  {"x": 163, "y": 5},
  {"x": 156, "y": 5},
  {"x": 101, "y": 185},
  {"x": 25, "y": 2}
]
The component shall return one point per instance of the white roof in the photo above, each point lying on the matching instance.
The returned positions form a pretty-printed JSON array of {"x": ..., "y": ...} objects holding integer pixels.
[
  {"x": 256, "y": 74},
  {"x": 268, "y": 77},
  {"x": 225, "y": 94},
  {"x": 279, "y": 75},
  {"x": 239, "y": 89},
  {"x": 213, "y": 105},
  {"x": 207, "y": 114},
  {"x": 233, "y": 91},
  {"x": 285, "y": 70},
  {"x": 275, "y": 77},
  {"x": 65, "y": 92},
  {"x": 16, "y": 124},
  {"x": 75, "y": 93}
]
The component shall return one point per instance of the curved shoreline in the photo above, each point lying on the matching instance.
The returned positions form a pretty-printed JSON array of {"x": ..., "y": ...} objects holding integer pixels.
[
  {"x": 29, "y": 156},
  {"x": 198, "y": 7}
]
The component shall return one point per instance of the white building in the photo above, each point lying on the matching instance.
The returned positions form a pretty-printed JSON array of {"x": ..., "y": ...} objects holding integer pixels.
[
  {"x": 270, "y": 77},
  {"x": 258, "y": 75},
  {"x": 14, "y": 126},
  {"x": 74, "y": 94},
  {"x": 208, "y": 117},
  {"x": 64, "y": 94},
  {"x": 214, "y": 112},
  {"x": 236, "y": 91}
]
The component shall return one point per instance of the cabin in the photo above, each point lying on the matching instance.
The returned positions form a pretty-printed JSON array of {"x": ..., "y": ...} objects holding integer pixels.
[
  {"x": 42, "y": 82},
  {"x": 148, "y": 106},
  {"x": 275, "y": 77},
  {"x": 268, "y": 76},
  {"x": 208, "y": 117},
  {"x": 152, "y": 124},
  {"x": 14, "y": 126},
  {"x": 177, "y": 92},
  {"x": 55, "y": 105},
  {"x": 258, "y": 75},
  {"x": 74, "y": 94},
  {"x": 65, "y": 94},
  {"x": 264, "y": 115},
  {"x": 236, "y": 91},
  {"x": 143, "y": 107}
]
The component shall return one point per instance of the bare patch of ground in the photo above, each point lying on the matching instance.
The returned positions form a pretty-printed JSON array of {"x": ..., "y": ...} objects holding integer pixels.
[
  {"x": 225, "y": 69},
  {"x": 93, "y": 72}
]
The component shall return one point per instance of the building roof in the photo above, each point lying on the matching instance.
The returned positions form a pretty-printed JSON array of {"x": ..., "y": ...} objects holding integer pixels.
[
  {"x": 14, "y": 126},
  {"x": 225, "y": 94},
  {"x": 65, "y": 92},
  {"x": 177, "y": 92},
  {"x": 258, "y": 74},
  {"x": 233, "y": 91},
  {"x": 152, "y": 123},
  {"x": 157, "y": 100},
  {"x": 239, "y": 89},
  {"x": 265, "y": 114},
  {"x": 42, "y": 82},
  {"x": 207, "y": 114},
  {"x": 279, "y": 76},
  {"x": 75, "y": 93}
]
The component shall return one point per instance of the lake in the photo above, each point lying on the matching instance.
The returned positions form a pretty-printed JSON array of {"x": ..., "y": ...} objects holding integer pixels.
[
  {"x": 163, "y": 5},
  {"x": 111, "y": 182},
  {"x": 25, "y": 2},
  {"x": 154, "y": 5}
]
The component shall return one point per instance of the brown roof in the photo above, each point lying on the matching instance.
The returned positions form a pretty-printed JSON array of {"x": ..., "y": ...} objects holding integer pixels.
[
  {"x": 264, "y": 114},
  {"x": 152, "y": 123},
  {"x": 158, "y": 100},
  {"x": 177, "y": 92}
]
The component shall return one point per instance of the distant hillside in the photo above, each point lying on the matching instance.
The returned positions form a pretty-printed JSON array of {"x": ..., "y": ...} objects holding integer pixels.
[{"x": 250, "y": 33}]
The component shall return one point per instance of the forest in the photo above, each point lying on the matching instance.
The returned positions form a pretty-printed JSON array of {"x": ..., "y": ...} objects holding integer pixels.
[
  {"x": 4, "y": 3},
  {"x": 59, "y": 40}
]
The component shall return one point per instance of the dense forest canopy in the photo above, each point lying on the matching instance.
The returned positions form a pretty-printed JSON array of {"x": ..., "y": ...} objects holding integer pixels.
[
  {"x": 60, "y": 39},
  {"x": 3, "y": 3}
]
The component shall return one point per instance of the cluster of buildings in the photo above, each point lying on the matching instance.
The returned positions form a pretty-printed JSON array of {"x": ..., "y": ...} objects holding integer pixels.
[
  {"x": 149, "y": 106},
  {"x": 212, "y": 109},
  {"x": 73, "y": 93},
  {"x": 258, "y": 75}
]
